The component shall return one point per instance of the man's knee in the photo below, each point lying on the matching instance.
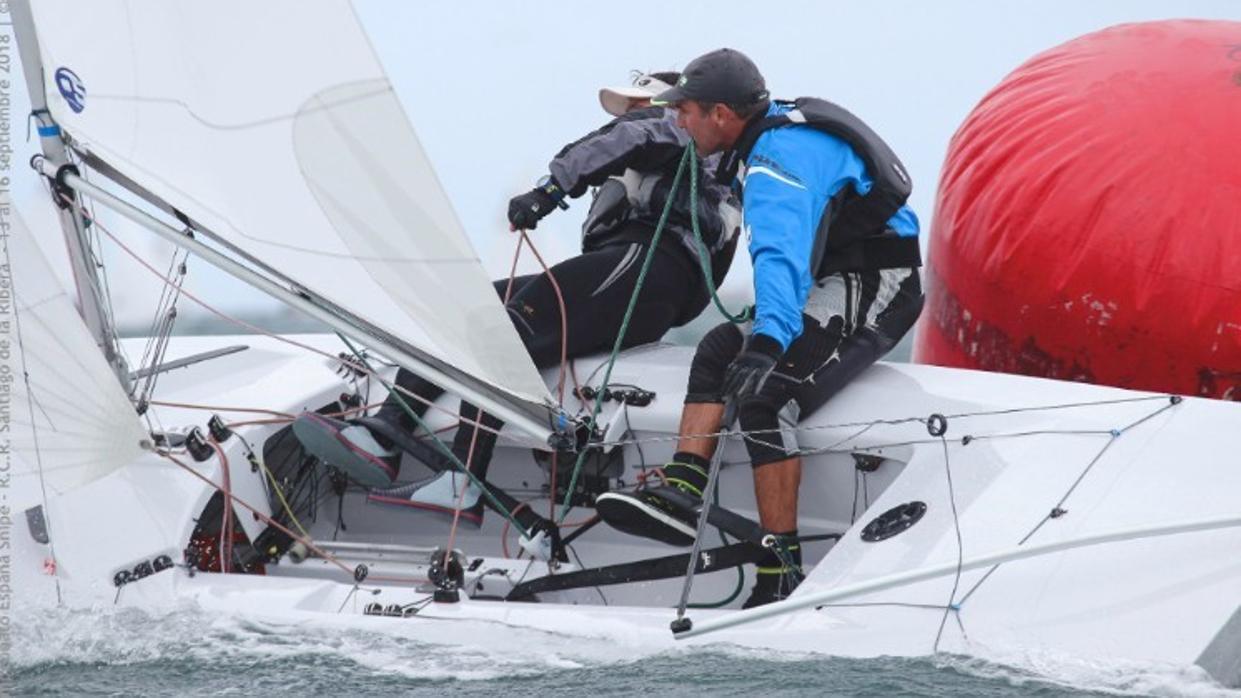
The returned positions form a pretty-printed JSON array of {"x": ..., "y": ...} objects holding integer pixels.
[
  {"x": 715, "y": 352},
  {"x": 766, "y": 439}
]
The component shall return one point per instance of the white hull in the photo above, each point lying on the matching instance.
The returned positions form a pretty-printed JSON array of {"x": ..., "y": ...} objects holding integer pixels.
[{"x": 1172, "y": 599}]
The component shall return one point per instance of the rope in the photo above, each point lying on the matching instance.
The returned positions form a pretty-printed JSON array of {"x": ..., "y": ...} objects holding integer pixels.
[
  {"x": 456, "y": 513},
  {"x": 264, "y": 517},
  {"x": 161, "y": 333},
  {"x": 216, "y": 408},
  {"x": 564, "y": 316},
  {"x": 740, "y": 571},
  {"x": 624, "y": 327},
  {"x": 564, "y": 350},
  {"x": 226, "y": 523},
  {"x": 704, "y": 258},
  {"x": 280, "y": 493}
]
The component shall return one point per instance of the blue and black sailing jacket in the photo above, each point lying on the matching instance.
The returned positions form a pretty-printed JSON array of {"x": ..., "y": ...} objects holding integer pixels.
[{"x": 798, "y": 184}]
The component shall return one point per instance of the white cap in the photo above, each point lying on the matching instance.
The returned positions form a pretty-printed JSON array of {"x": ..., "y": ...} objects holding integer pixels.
[{"x": 615, "y": 100}]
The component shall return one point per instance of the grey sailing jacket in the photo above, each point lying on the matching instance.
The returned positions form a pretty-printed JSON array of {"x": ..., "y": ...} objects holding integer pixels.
[{"x": 632, "y": 160}]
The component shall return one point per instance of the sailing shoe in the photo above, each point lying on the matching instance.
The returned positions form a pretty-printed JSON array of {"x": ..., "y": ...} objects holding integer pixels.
[
  {"x": 779, "y": 572},
  {"x": 439, "y": 494},
  {"x": 349, "y": 447},
  {"x": 773, "y": 584},
  {"x": 667, "y": 513}
]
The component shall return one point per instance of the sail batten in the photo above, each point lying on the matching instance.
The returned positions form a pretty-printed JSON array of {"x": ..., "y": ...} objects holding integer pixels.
[{"x": 274, "y": 127}]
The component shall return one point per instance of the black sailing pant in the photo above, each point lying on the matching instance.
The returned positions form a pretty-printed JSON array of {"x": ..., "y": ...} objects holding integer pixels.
[
  {"x": 596, "y": 287},
  {"x": 850, "y": 320}
]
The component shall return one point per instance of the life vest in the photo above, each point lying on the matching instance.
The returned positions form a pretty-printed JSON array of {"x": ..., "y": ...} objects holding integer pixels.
[{"x": 853, "y": 232}]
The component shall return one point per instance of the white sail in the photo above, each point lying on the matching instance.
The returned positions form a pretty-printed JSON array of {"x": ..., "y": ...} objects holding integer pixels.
[
  {"x": 273, "y": 126},
  {"x": 68, "y": 420}
]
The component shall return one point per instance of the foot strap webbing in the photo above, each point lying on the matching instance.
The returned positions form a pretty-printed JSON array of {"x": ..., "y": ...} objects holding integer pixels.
[
  {"x": 669, "y": 567},
  {"x": 730, "y": 522}
]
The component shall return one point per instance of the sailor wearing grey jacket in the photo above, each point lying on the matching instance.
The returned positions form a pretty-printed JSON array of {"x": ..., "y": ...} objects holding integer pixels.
[{"x": 631, "y": 162}]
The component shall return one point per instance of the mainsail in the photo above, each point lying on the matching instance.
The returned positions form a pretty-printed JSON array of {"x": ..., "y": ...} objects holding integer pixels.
[
  {"x": 68, "y": 420},
  {"x": 272, "y": 127}
]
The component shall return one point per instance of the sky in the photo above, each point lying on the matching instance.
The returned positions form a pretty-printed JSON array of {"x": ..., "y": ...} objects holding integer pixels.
[{"x": 495, "y": 89}]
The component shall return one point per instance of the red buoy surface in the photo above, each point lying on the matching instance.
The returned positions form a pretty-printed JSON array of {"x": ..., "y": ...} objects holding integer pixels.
[{"x": 1088, "y": 220}]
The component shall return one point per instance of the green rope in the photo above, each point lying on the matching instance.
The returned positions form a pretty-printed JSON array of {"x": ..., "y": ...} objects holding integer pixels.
[
  {"x": 620, "y": 335},
  {"x": 740, "y": 572},
  {"x": 704, "y": 259},
  {"x": 435, "y": 439},
  {"x": 747, "y": 313}
]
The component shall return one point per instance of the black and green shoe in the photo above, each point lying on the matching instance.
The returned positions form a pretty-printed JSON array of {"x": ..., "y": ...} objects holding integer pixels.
[
  {"x": 667, "y": 513},
  {"x": 779, "y": 572}
]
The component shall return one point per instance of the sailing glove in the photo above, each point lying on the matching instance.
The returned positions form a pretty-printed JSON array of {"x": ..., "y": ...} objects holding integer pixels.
[
  {"x": 747, "y": 373},
  {"x": 526, "y": 210}
]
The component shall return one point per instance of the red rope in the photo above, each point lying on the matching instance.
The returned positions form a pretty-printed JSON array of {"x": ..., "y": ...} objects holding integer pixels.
[
  {"x": 226, "y": 525},
  {"x": 564, "y": 316},
  {"x": 263, "y": 517},
  {"x": 465, "y": 487},
  {"x": 214, "y": 408},
  {"x": 564, "y": 356},
  {"x": 504, "y": 531}
]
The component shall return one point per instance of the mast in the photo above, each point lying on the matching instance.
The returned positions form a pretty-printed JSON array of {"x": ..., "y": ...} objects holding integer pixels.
[{"x": 90, "y": 297}]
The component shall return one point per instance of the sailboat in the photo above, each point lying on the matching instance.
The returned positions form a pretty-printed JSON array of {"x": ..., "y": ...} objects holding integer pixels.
[{"x": 950, "y": 510}]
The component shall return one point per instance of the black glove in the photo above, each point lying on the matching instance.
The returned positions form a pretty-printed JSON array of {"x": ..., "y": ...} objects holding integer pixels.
[
  {"x": 526, "y": 210},
  {"x": 747, "y": 373}
]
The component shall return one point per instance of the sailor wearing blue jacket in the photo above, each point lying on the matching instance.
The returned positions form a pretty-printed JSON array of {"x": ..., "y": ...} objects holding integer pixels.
[
  {"x": 791, "y": 177},
  {"x": 836, "y": 285}
]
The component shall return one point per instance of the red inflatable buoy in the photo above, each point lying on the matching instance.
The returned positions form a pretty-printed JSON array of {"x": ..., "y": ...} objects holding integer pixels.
[{"x": 1088, "y": 220}]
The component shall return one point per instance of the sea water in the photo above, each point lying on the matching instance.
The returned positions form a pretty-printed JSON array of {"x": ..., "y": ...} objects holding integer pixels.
[{"x": 187, "y": 651}]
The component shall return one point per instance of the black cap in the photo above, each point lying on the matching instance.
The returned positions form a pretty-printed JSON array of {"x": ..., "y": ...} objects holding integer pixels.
[{"x": 723, "y": 75}]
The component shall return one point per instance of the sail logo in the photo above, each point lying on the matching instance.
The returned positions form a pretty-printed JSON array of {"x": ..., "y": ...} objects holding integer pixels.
[{"x": 72, "y": 89}]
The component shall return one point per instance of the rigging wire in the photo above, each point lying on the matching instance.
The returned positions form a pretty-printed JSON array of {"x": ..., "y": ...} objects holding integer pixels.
[
  {"x": 286, "y": 340},
  {"x": 165, "y": 318},
  {"x": 956, "y": 525},
  {"x": 1058, "y": 510},
  {"x": 34, "y": 431},
  {"x": 96, "y": 253}
]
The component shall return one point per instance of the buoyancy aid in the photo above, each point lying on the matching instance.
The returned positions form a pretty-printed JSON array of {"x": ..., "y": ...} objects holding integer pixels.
[{"x": 853, "y": 232}]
